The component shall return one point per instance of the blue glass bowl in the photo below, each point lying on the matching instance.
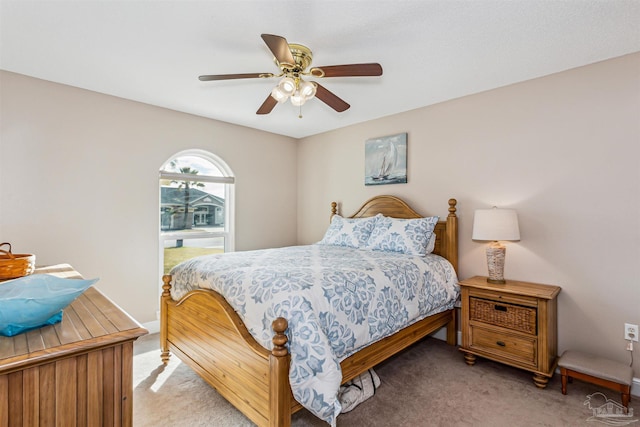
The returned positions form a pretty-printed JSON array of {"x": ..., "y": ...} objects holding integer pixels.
[{"x": 37, "y": 300}]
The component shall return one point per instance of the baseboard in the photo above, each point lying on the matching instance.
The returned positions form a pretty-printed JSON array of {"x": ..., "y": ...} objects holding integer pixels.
[{"x": 153, "y": 327}]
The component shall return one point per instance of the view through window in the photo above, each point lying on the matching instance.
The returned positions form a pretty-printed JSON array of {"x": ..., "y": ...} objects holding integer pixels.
[{"x": 196, "y": 205}]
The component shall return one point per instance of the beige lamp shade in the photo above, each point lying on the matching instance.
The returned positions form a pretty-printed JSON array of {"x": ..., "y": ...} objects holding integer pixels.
[{"x": 494, "y": 225}]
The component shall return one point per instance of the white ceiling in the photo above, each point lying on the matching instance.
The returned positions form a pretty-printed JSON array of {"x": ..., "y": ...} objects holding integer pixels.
[{"x": 431, "y": 51}]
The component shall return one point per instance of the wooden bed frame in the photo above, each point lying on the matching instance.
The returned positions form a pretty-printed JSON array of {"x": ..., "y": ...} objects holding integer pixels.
[{"x": 204, "y": 331}]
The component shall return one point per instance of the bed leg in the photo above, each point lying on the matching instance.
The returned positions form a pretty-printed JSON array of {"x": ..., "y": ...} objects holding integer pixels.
[
  {"x": 164, "y": 342},
  {"x": 279, "y": 389},
  {"x": 452, "y": 330}
]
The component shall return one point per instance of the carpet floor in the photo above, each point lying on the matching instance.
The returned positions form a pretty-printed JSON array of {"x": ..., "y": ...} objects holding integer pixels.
[{"x": 428, "y": 384}]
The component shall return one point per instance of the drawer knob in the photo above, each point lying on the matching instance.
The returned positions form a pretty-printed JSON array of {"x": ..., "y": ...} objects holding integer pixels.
[
  {"x": 500, "y": 307},
  {"x": 501, "y": 343}
]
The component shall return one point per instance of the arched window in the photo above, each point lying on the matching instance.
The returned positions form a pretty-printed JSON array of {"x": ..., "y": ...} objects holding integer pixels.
[{"x": 196, "y": 207}]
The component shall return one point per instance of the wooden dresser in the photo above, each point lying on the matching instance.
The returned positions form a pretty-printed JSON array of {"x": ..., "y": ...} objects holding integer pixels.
[
  {"x": 78, "y": 372},
  {"x": 513, "y": 323}
]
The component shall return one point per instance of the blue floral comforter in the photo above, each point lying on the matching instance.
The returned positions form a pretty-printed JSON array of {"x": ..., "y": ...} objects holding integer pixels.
[{"x": 336, "y": 300}]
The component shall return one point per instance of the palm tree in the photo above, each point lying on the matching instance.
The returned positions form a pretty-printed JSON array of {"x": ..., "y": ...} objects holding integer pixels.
[{"x": 186, "y": 185}]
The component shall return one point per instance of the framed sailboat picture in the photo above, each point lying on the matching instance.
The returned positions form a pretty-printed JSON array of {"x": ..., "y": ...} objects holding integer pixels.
[{"x": 386, "y": 160}]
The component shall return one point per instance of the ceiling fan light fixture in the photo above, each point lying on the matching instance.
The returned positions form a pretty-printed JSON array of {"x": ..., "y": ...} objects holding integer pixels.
[
  {"x": 278, "y": 95},
  {"x": 287, "y": 86},
  {"x": 307, "y": 90},
  {"x": 298, "y": 99}
]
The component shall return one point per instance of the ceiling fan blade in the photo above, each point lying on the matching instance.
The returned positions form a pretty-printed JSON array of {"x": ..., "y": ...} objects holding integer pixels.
[
  {"x": 351, "y": 70},
  {"x": 267, "y": 105},
  {"x": 279, "y": 47},
  {"x": 233, "y": 76},
  {"x": 331, "y": 99}
]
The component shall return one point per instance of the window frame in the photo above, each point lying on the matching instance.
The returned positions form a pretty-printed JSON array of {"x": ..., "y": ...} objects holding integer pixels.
[{"x": 227, "y": 178}]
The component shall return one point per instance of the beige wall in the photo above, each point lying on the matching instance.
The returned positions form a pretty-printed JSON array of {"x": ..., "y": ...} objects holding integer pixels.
[
  {"x": 79, "y": 174},
  {"x": 563, "y": 150}
]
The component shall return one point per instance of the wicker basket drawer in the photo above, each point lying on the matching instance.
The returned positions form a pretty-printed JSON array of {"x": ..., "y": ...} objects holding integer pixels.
[
  {"x": 518, "y": 348},
  {"x": 518, "y": 318}
]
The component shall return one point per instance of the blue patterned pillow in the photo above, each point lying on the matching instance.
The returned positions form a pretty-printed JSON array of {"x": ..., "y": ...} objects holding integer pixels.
[
  {"x": 407, "y": 236},
  {"x": 349, "y": 232}
]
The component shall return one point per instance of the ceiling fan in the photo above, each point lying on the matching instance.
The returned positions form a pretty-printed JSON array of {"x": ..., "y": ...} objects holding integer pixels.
[{"x": 293, "y": 61}]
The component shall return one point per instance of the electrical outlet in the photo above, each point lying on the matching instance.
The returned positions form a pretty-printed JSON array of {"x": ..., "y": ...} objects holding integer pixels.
[{"x": 630, "y": 332}]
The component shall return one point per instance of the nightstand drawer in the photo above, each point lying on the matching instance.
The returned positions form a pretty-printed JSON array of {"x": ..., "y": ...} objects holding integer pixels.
[
  {"x": 510, "y": 316},
  {"x": 519, "y": 348}
]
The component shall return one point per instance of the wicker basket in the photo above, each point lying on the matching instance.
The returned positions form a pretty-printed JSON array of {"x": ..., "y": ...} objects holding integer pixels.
[
  {"x": 508, "y": 316},
  {"x": 13, "y": 265}
]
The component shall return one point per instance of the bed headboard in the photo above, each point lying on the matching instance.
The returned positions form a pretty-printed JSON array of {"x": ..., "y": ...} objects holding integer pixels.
[{"x": 446, "y": 230}]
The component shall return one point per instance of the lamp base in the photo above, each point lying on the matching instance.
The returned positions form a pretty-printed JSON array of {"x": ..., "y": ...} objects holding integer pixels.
[{"x": 495, "y": 263}]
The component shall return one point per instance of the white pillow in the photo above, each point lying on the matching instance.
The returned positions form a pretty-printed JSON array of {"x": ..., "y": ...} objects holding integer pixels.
[
  {"x": 407, "y": 236},
  {"x": 349, "y": 232}
]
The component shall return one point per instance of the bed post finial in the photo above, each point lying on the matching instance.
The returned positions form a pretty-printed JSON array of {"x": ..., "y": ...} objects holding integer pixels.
[
  {"x": 166, "y": 286},
  {"x": 452, "y": 207},
  {"x": 334, "y": 210},
  {"x": 279, "y": 339}
]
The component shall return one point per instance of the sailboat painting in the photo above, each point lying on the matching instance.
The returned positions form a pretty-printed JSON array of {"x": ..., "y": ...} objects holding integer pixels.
[{"x": 386, "y": 160}]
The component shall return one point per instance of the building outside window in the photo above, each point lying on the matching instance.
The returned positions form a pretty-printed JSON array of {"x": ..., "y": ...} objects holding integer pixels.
[{"x": 196, "y": 207}]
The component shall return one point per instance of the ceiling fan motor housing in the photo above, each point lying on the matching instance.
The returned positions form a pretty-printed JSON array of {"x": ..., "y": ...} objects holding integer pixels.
[{"x": 302, "y": 57}]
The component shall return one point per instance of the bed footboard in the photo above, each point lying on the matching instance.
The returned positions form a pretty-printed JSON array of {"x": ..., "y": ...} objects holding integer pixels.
[{"x": 206, "y": 333}]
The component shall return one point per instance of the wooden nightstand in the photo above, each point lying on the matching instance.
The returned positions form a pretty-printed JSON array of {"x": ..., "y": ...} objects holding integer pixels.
[{"x": 514, "y": 323}]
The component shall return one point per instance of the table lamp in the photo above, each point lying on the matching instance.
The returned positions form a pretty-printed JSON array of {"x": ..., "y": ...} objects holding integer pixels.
[{"x": 495, "y": 225}]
